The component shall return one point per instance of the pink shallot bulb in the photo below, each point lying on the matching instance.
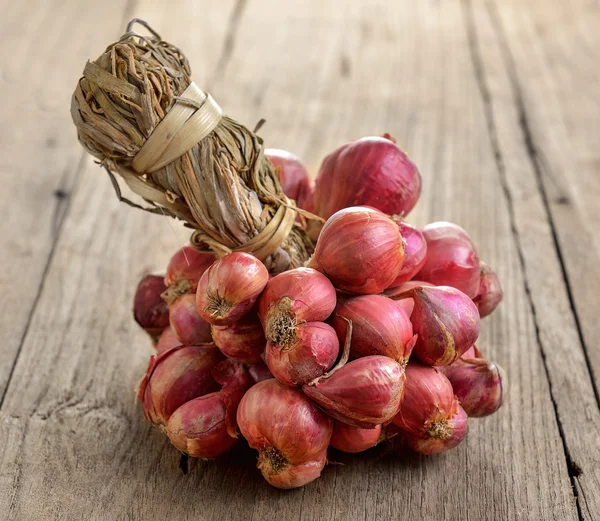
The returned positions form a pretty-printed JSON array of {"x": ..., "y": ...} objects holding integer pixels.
[
  {"x": 149, "y": 308},
  {"x": 185, "y": 269},
  {"x": 243, "y": 341},
  {"x": 293, "y": 176},
  {"x": 405, "y": 302},
  {"x": 291, "y": 298},
  {"x": 348, "y": 438},
  {"x": 206, "y": 427},
  {"x": 451, "y": 259},
  {"x": 365, "y": 392},
  {"x": 176, "y": 377},
  {"x": 167, "y": 340},
  {"x": 415, "y": 250},
  {"x": 479, "y": 385},
  {"x": 490, "y": 292},
  {"x": 360, "y": 250},
  {"x": 371, "y": 171},
  {"x": 429, "y": 413},
  {"x": 228, "y": 289},
  {"x": 311, "y": 354},
  {"x": 446, "y": 322},
  {"x": 289, "y": 431},
  {"x": 186, "y": 322},
  {"x": 379, "y": 327},
  {"x": 448, "y": 437}
]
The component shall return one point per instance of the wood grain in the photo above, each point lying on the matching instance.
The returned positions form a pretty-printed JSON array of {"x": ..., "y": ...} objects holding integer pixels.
[
  {"x": 73, "y": 443},
  {"x": 556, "y": 322},
  {"x": 41, "y": 53}
]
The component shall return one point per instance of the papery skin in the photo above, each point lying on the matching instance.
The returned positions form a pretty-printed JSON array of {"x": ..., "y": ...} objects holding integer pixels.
[
  {"x": 458, "y": 428},
  {"x": 228, "y": 290},
  {"x": 415, "y": 251},
  {"x": 446, "y": 322},
  {"x": 490, "y": 292},
  {"x": 405, "y": 302},
  {"x": 289, "y": 431},
  {"x": 428, "y": 397},
  {"x": 364, "y": 393},
  {"x": 312, "y": 354},
  {"x": 370, "y": 171},
  {"x": 259, "y": 372},
  {"x": 243, "y": 341},
  {"x": 348, "y": 438},
  {"x": 176, "y": 377},
  {"x": 479, "y": 385},
  {"x": 167, "y": 340},
  {"x": 360, "y": 250},
  {"x": 380, "y": 327},
  {"x": 451, "y": 259},
  {"x": 293, "y": 176},
  {"x": 186, "y": 322},
  {"x": 310, "y": 296},
  {"x": 188, "y": 264},
  {"x": 206, "y": 427},
  {"x": 149, "y": 309}
]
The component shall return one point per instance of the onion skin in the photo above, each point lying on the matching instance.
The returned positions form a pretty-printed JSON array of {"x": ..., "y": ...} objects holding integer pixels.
[
  {"x": 311, "y": 294},
  {"x": 365, "y": 392},
  {"x": 430, "y": 415},
  {"x": 371, "y": 171},
  {"x": 228, "y": 290},
  {"x": 243, "y": 341},
  {"x": 289, "y": 431},
  {"x": 490, "y": 292},
  {"x": 206, "y": 427},
  {"x": 149, "y": 309},
  {"x": 186, "y": 322},
  {"x": 415, "y": 250},
  {"x": 360, "y": 250},
  {"x": 446, "y": 322},
  {"x": 401, "y": 292},
  {"x": 451, "y": 259},
  {"x": 456, "y": 425},
  {"x": 380, "y": 327},
  {"x": 291, "y": 298},
  {"x": 176, "y": 377},
  {"x": 348, "y": 438},
  {"x": 312, "y": 354},
  {"x": 479, "y": 385},
  {"x": 186, "y": 267},
  {"x": 259, "y": 372},
  {"x": 167, "y": 340},
  {"x": 293, "y": 176}
]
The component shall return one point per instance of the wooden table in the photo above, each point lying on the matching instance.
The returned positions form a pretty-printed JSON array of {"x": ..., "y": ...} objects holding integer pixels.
[{"x": 497, "y": 101}]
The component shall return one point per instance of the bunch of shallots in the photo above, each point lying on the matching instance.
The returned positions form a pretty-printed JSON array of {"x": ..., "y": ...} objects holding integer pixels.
[{"x": 374, "y": 338}]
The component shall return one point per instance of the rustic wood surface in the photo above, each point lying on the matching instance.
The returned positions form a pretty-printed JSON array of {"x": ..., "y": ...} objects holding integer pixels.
[{"x": 497, "y": 101}]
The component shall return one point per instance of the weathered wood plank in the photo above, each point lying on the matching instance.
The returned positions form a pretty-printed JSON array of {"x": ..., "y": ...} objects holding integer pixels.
[
  {"x": 41, "y": 51},
  {"x": 555, "y": 51},
  {"x": 511, "y": 95},
  {"x": 74, "y": 444}
]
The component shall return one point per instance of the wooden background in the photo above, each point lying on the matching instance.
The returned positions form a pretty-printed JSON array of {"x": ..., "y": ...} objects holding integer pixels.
[{"x": 498, "y": 103}]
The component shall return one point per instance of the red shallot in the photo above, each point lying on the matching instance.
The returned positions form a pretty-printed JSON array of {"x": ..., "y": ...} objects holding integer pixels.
[
  {"x": 360, "y": 250},
  {"x": 451, "y": 258},
  {"x": 370, "y": 171},
  {"x": 289, "y": 431},
  {"x": 228, "y": 290}
]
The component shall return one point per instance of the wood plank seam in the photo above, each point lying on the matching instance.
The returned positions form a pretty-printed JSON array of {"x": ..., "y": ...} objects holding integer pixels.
[
  {"x": 63, "y": 203},
  {"x": 537, "y": 163},
  {"x": 572, "y": 467}
]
